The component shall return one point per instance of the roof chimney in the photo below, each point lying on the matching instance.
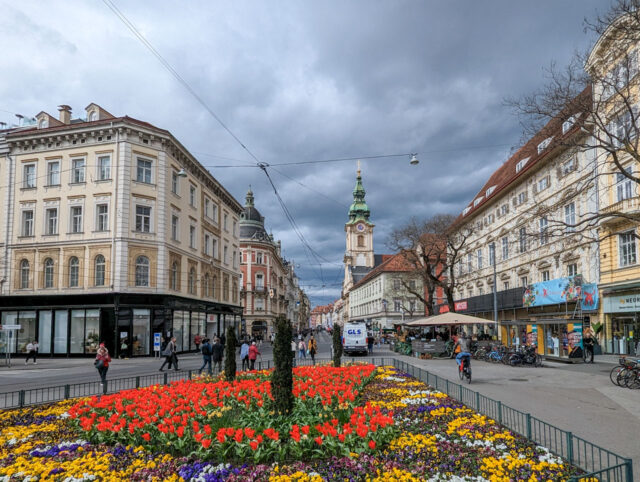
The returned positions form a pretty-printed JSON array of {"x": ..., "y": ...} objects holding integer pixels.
[{"x": 65, "y": 114}]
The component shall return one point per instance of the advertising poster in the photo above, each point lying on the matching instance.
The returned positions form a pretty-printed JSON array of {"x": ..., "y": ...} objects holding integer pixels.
[
  {"x": 574, "y": 341},
  {"x": 562, "y": 290},
  {"x": 532, "y": 336}
]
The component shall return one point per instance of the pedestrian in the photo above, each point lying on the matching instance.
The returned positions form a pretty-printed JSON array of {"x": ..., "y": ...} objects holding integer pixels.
[
  {"x": 302, "y": 349},
  {"x": 223, "y": 339},
  {"x": 123, "y": 348},
  {"x": 370, "y": 341},
  {"x": 170, "y": 355},
  {"x": 253, "y": 354},
  {"x": 293, "y": 352},
  {"x": 197, "y": 340},
  {"x": 313, "y": 348},
  {"x": 32, "y": 351},
  {"x": 217, "y": 352},
  {"x": 102, "y": 362},
  {"x": 206, "y": 355},
  {"x": 244, "y": 354},
  {"x": 589, "y": 342}
]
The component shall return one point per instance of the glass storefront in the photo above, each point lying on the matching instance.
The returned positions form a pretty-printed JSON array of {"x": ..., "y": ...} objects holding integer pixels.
[
  {"x": 185, "y": 330},
  {"x": 177, "y": 328},
  {"x": 27, "y": 331},
  {"x": 141, "y": 332},
  {"x": 92, "y": 331},
  {"x": 10, "y": 318},
  {"x": 76, "y": 340},
  {"x": 60, "y": 332},
  {"x": 45, "y": 330}
]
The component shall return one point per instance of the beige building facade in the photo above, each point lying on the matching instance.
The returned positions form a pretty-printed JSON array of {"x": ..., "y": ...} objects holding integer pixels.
[{"x": 114, "y": 232}]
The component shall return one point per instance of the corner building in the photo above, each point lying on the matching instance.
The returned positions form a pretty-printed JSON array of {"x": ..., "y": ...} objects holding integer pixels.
[{"x": 115, "y": 233}]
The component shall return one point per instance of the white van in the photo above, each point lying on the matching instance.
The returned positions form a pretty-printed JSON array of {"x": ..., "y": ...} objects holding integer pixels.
[{"x": 354, "y": 338}]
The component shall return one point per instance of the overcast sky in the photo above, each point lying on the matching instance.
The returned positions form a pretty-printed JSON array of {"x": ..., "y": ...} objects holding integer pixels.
[{"x": 304, "y": 81}]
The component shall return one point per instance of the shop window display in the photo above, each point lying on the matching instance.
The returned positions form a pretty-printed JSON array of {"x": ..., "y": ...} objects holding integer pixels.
[
  {"x": 44, "y": 332},
  {"x": 77, "y": 332},
  {"x": 92, "y": 331},
  {"x": 27, "y": 331},
  {"x": 177, "y": 328},
  {"x": 141, "y": 331},
  {"x": 60, "y": 332},
  {"x": 9, "y": 318}
]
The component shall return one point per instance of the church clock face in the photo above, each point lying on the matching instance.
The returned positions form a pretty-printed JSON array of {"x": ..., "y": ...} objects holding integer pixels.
[{"x": 360, "y": 227}]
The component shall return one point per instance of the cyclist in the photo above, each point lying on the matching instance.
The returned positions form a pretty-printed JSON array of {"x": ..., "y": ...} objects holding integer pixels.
[{"x": 465, "y": 345}]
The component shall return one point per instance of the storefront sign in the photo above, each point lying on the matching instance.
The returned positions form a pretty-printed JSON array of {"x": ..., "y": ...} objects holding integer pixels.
[
  {"x": 11, "y": 327},
  {"x": 562, "y": 290},
  {"x": 156, "y": 341},
  {"x": 459, "y": 305},
  {"x": 621, "y": 303},
  {"x": 211, "y": 318}
]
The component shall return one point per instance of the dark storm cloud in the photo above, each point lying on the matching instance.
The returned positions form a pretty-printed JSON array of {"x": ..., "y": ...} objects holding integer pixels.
[{"x": 300, "y": 81}]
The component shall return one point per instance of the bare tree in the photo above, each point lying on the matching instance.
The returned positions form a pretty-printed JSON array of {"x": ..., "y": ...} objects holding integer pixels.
[
  {"x": 596, "y": 97},
  {"x": 433, "y": 248}
]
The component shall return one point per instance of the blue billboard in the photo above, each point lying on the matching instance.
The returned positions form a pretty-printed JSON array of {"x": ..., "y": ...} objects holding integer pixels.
[{"x": 562, "y": 290}]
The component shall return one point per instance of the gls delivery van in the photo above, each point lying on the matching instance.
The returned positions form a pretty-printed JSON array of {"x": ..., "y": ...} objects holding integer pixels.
[{"x": 354, "y": 338}]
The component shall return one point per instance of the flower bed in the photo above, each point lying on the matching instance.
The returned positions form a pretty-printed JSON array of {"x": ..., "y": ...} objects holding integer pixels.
[{"x": 353, "y": 423}]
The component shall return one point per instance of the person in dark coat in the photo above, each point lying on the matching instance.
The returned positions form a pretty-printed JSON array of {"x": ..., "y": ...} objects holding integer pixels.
[
  {"x": 217, "y": 352},
  {"x": 207, "y": 351}
]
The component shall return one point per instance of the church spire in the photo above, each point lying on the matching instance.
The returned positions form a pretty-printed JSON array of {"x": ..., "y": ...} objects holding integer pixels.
[
  {"x": 249, "y": 198},
  {"x": 358, "y": 211}
]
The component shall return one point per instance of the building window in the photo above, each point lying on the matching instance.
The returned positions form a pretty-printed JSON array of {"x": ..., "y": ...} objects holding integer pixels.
[
  {"x": 523, "y": 240},
  {"x": 572, "y": 269},
  {"x": 104, "y": 168},
  {"x": 77, "y": 170},
  {"x": 27, "y": 223},
  {"x": 226, "y": 253},
  {"x": 412, "y": 306},
  {"x": 479, "y": 258},
  {"x": 24, "y": 274},
  {"x": 192, "y": 281},
  {"x": 214, "y": 247},
  {"x": 569, "y": 166},
  {"x": 235, "y": 230},
  {"x": 226, "y": 222},
  {"x": 74, "y": 272},
  {"x": 258, "y": 258},
  {"x": 543, "y": 183},
  {"x": 544, "y": 231},
  {"x": 174, "y": 227},
  {"x": 505, "y": 285},
  {"x": 207, "y": 207},
  {"x": 143, "y": 219},
  {"x": 44, "y": 123},
  {"x": 521, "y": 163},
  {"x": 175, "y": 183},
  {"x": 51, "y": 221},
  {"x": 192, "y": 237},
  {"x": 480, "y": 291},
  {"x": 259, "y": 304},
  {"x": 568, "y": 124},
  {"x": 624, "y": 186},
  {"x": 522, "y": 198},
  {"x": 492, "y": 254},
  {"x": 207, "y": 241},
  {"x": 99, "y": 270},
  {"x": 174, "y": 276},
  {"x": 544, "y": 144},
  {"x": 48, "y": 273},
  {"x": 504, "y": 209},
  {"x": 207, "y": 285},
  {"x": 570, "y": 217},
  {"x": 505, "y": 248},
  {"x": 29, "y": 176},
  {"x": 259, "y": 281},
  {"x": 397, "y": 305},
  {"x": 360, "y": 241},
  {"x": 53, "y": 173},
  {"x": 192, "y": 196},
  {"x": 142, "y": 271},
  {"x": 469, "y": 263},
  {"x": 102, "y": 217},
  {"x": 545, "y": 275},
  {"x": 524, "y": 282},
  {"x": 93, "y": 116},
  {"x": 235, "y": 259},
  {"x": 412, "y": 283},
  {"x": 76, "y": 219},
  {"x": 627, "y": 248},
  {"x": 396, "y": 284},
  {"x": 143, "y": 173}
]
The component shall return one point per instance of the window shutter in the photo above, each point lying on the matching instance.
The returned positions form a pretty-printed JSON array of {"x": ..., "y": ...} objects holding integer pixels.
[{"x": 535, "y": 188}]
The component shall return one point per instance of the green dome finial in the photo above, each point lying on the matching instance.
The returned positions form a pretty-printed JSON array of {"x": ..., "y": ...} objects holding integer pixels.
[{"x": 359, "y": 211}]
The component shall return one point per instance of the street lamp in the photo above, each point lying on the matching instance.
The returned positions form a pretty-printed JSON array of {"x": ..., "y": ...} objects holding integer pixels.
[{"x": 414, "y": 160}]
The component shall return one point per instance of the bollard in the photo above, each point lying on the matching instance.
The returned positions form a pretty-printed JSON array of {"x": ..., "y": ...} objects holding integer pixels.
[{"x": 67, "y": 392}]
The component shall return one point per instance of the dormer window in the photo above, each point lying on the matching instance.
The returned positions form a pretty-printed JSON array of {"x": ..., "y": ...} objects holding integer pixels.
[
  {"x": 521, "y": 164},
  {"x": 478, "y": 201},
  {"x": 466, "y": 210},
  {"x": 93, "y": 116},
  {"x": 489, "y": 191},
  {"x": 544, "y": 144},
  {"x": 44, "y": 123},
  {"x": 568, "y": 124}
]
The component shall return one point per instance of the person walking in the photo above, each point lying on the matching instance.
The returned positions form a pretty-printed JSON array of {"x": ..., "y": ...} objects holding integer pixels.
[
  {"x": 293, "y": 352},
  {"x": 32, "y": 351},
  {"x": 102, "y": 362},
  {"x": 170, "y": 355},
  {"x": 589, "y": 342},
  {"x": 217, "y": 351},
  {"x": 302, "y": 349},
  {"x": 313, "y": 348},
  {"x": 253, "y": 355},
  {"x": 370, "y": 341},
  {"x": 206, "y": 355},
  {"x": 197, "y": 341},
  {"x": 244, "y": 354},
  {"x": 123, "y": 348}
]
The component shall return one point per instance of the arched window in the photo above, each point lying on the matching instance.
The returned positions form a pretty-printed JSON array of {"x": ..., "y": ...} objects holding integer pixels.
[
  {"x": 24, "y": 274},
  {"x": 192, "y": 281},
  {"x": 142, "y": 271},
  {"x": 93, "y": 116},
  {"x": 74, "y": 272},
  {"x": 99, "y": 270},
  {"x": 174, "y": 276},
  {"x": 48, "y": 273},
  {"x": 207, "y": 285},
  {"x": 44, "y": 123},
  {"x": 360, "y": 241}
]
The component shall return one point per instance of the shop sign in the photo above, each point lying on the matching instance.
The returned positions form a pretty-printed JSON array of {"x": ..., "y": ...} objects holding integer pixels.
[
  {"x": 156, "y": 341},
  {"x": 460, "y": 306},
  {"x": 562, "y": 290},
  {"x": 622, "y": 303},
  {"x": 10, "y": 327},
  {"x": 211, "y": 318}
]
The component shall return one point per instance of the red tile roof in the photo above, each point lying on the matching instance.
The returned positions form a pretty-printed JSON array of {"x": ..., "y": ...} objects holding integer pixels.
[{"x": 394, "y": 263}]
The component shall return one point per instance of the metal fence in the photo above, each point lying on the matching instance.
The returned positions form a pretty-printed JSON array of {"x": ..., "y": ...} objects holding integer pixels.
[{"x": 598, "y": 463}]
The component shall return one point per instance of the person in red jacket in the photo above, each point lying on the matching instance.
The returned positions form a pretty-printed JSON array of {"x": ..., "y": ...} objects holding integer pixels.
[
  {"x": 102, "y": 362},
  {"x": 253, "y": 354}
]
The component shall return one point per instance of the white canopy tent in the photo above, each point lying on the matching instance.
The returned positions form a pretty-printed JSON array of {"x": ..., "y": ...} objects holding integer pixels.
[{"x": 449, "y": 319}]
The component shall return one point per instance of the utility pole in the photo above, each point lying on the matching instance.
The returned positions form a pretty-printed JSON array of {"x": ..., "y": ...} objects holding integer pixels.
[{"x": 495, "y": 290}]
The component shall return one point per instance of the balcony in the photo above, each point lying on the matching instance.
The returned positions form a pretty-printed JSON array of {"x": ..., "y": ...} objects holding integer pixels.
[
  {"x": 259, "y": 289},
  {"x": 626, "y": 206}
]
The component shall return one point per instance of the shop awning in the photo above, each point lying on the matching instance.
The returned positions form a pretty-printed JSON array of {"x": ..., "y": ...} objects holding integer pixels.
[{"x": 450, "y": 319}]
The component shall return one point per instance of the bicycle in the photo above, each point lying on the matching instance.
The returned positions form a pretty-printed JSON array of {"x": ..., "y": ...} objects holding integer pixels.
[{"x": 617, "y": 373}]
